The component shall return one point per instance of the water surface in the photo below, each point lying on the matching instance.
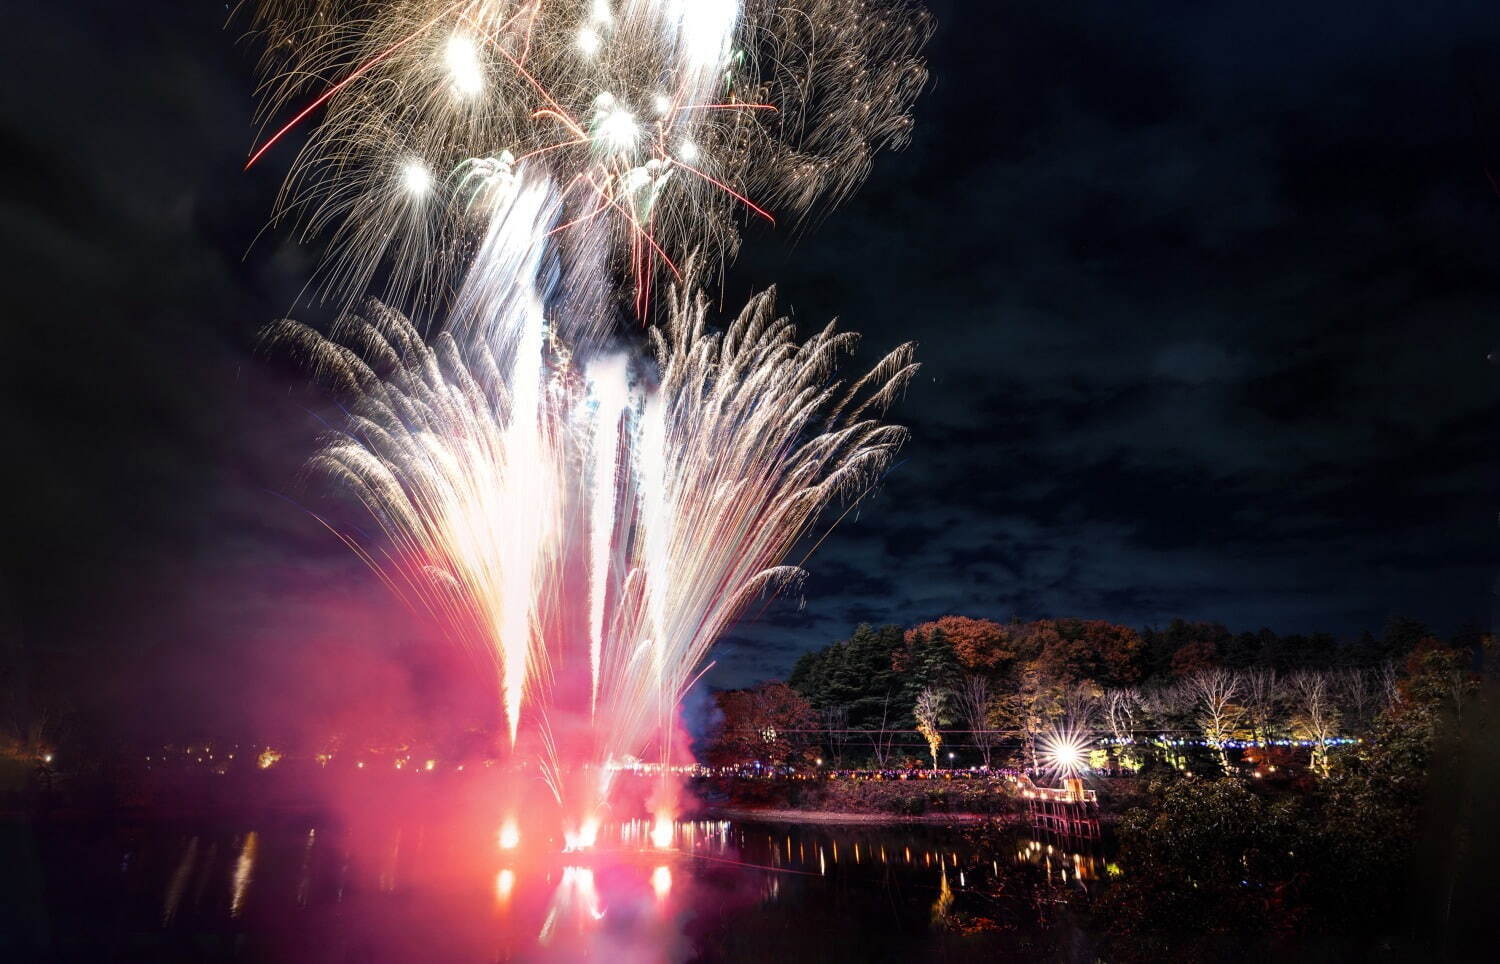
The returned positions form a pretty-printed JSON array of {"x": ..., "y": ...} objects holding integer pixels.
[{"x": 723, "y": 890}]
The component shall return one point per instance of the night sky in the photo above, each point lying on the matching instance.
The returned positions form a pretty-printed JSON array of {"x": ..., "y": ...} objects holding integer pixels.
[{"x": 1204, "y": 294}]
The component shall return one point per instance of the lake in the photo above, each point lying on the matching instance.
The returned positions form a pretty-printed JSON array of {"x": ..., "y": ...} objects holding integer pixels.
[{"x": 723, "y": 890}]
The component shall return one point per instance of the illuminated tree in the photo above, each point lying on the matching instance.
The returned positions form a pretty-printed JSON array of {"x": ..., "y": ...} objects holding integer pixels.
[
  {"x": 928, "y": 711},
  {"x": 1316, "y": 714},
  {"x": 1215, "y": 692},
  {"x": 1261, "y": 694},
  {"x": 1120, "y": 708}
]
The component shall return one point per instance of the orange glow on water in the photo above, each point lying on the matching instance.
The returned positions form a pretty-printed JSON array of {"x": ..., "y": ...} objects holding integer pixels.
[
  {"x": 505, "y": 884},
  {"x": 244, "y": 873},
  {"x": 661, "y": 882},
  {"x": 510, "y": 835}
]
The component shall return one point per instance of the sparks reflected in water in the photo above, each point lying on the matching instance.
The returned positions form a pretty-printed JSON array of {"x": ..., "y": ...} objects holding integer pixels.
[
  {"x": 661, "y": 882},
  {"x": 244, "y": 873},
  {"x": 505, "y": 883},
  {"x": 179, "y": 881},
  {"x": 622, "y": 899}
]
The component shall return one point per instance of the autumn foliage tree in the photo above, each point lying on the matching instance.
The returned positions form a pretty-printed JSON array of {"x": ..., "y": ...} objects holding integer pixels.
[
  {"x": 1078, "y": 650},
  {"x": 771, "y": 723},
  {"x": 977, "y": 644},
  {"x": 1193, "y": 658}
]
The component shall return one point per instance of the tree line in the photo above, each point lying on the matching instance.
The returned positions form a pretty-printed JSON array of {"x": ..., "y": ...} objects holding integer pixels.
[{"x": 998, "y": 693}]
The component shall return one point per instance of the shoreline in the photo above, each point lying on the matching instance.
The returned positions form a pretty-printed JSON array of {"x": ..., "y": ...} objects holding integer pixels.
[{"x": 751, "y": 814}]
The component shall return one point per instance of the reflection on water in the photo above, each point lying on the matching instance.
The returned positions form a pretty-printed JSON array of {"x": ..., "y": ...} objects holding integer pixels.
[
  {"x": 1067, "y": 865},
  {"x": 644, "y": 892},
  {"x": 179, "y": 881},
  {"x": 505, "y": 884},
  {"x": 244, "y": 871},
  {"x": 304, "y": 878}
]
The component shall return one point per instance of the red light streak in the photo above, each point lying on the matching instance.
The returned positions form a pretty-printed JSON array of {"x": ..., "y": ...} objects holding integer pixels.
[
  {"x": 358, "y": 72},
  {"x": 770, "y": 107},
  {"x": 636, "y": 225},
  {"x": 726, "y": 189}
]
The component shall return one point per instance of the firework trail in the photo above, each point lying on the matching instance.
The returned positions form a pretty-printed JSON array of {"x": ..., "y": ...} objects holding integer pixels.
[{"x": 585, "y": 517}]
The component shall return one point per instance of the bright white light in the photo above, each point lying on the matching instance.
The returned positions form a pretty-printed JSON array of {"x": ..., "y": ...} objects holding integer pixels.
[
  {"x": 601, "y": 12},
  {"x": 1065, "y": 752},
  {"x": 706, "y": 28},
  {"x": 464, "y": 66},
  {"x": 589, "y": 41},
  {"x": 416, "y": 178},
  {"x": 583, "y": 839},
  {"x": 617, "y": 127},
  {"x": 662, "y": 104},
  {"x": 510, "y": 835},
  {"x": 661, "y": 882},
  {"x": 661, "y": 832},
  {"x": 688, "y": 151}
]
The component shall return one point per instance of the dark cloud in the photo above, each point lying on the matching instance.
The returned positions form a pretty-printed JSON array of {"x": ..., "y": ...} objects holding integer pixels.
[{"x": 1204, "y": 297}]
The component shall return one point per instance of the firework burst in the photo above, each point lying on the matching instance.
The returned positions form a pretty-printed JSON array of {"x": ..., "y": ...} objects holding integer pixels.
[
  {"x": 667, "y": 122},
  {"x": 514, "y": 474}
]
